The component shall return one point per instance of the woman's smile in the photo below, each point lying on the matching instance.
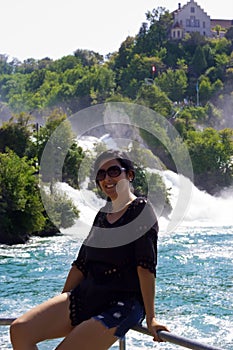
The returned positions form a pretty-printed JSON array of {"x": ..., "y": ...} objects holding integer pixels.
[{"x": 110, "y": 185}]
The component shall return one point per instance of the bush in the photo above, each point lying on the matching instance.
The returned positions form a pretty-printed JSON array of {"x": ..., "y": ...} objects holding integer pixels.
[{"x": 21, "y": 210}]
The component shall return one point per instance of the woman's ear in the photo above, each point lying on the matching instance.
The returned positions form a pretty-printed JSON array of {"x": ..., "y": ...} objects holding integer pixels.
[{"x": 131, "y": 175}]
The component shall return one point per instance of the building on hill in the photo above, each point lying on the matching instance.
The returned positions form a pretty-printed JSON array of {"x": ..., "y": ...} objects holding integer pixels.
[{"x": 192, "y": 18}]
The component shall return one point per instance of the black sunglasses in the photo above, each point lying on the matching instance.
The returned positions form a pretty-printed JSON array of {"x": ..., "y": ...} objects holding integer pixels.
[{"x": 112, "y": 171}]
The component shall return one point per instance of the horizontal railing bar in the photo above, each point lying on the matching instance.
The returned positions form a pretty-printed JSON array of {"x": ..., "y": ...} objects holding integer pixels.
[
  {"x": 178, "y": 340},
  {"x": 6, "y": 321},
  {"x": 166, "y": 336}
]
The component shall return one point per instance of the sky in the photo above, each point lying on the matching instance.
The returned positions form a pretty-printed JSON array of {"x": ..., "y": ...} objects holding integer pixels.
[{"x": 54, "y": 28}]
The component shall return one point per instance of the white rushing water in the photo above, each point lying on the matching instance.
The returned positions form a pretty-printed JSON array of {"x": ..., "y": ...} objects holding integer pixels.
[{"x": 204, "y": 210}]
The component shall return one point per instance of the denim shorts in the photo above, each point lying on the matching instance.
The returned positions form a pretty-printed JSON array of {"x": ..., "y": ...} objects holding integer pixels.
[{"x": 123, "y": 315}]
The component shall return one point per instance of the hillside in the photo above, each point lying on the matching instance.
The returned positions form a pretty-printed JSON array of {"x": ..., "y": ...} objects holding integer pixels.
[{"x": 190, "y": 83}]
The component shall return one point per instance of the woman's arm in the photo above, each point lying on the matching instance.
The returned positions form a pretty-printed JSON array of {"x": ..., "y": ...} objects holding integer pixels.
[
  {"x": 75, "y": 276},
  {"x": 147, "y": 284}
]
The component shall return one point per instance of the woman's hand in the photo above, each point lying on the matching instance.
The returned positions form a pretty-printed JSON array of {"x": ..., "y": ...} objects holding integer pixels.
[{"x": 153, "y": 327}]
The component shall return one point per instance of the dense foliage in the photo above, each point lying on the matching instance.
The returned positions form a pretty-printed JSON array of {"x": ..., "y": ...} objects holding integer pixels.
[{"x": 22, "y": 212}]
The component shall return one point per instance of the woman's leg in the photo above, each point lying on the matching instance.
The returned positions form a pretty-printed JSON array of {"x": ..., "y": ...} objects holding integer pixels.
[
  {"x": 89, "y": 335},
  {"x": 46, "y": 321}
]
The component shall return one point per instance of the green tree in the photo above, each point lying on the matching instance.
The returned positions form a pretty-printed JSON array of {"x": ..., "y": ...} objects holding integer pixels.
[
  {"x": 148, "y": 183},
  {"x": 102, "y": 84},
  {"x": 205, "y": 89},
  {"x": 15, "y": 134},
  {"x": 11, "y": 85},
  {"x": 176, "y": 55},
  {"x": 153, "y": 36},
  {"x": 52, "y": 122},
  {"x": 198, "y": 62},
  {"x": 221, "y": 46},
  {"x": 21, "y": 210},
  {"x": 5, "y": 66},
  {"x": 52, "y": 143},
  {"x": 35, "y": 80},
  {"x": 173, "y": 83},
  {"x": 71, "y": 76},
  {"x": 159, "y": 195},
  {"x": 184, "y": 122},
  {"x": 88, "y": 57},
  {"x": 153, "y": 97},
  {"x": 60, "y": 212},
  {"x": 64, "y": 63},
  {"x": 28, "y": 66},
  {"x": 229, "y": 34},
  {"x": 139, "y": 69},
  {"x": 56, "y": 147},
  {"x": 191, "y": 42},
  {"x": 72, "y": 173},
  {"x": 217, "y": 29},
  {"x": 211, "y": 153},
  {"x": 160, "y": 24},
  {"x": 154, "y": 131},
  {"x": 226, "y": 161},
  {"x": 124, "y": 54}
]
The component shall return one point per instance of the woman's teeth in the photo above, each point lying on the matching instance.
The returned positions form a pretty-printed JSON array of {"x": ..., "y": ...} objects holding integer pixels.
[{"x": 110, "y": 186}]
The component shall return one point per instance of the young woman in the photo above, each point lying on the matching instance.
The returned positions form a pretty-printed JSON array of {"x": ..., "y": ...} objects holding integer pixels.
[{"x": 111, "y": 285}]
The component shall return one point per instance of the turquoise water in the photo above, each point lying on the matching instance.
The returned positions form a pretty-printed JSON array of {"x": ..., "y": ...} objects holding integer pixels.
[{"x": 194, "y": 283}]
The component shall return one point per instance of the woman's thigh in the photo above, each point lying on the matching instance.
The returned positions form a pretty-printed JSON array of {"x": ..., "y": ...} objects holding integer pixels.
[
  {"x": 48, "y": 320},
  {"x": 89, "y": 335}
]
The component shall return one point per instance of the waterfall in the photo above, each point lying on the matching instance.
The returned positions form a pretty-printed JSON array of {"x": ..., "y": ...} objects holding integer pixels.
[{"x": 203, "y": 209}]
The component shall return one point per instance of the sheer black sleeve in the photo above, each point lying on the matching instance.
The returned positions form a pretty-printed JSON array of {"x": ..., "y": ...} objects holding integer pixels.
[
  {"x": 80, "y": 262},
  {"x": 146, "y": 245}
]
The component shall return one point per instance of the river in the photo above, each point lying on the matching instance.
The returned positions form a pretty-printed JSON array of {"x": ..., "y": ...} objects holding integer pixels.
[{"x": 194, "y": 279}]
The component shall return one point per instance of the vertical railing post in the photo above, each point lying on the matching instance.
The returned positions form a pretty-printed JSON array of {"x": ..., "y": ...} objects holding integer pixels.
[{"x": 122, "y": 344}]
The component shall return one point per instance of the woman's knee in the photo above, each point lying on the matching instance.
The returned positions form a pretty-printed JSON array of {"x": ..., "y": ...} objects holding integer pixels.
[{"x": 18, "y": 329}]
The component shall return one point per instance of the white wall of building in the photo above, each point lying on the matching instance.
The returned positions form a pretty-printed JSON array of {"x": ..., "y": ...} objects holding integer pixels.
[{"x": 192, "y": 18}]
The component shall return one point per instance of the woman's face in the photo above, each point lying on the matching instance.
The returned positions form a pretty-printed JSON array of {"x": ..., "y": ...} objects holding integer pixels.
[{"x": 113, "y": 186}]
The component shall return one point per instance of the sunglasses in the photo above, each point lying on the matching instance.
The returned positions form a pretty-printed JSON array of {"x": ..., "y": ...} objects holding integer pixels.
[{"x": 112, "y": 171}]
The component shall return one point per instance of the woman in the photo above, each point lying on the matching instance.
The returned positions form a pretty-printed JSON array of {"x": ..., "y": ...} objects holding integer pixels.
[{"x": 111, "y": 285}]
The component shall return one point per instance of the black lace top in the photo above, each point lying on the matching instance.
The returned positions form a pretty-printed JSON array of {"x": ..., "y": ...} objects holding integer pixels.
[{"x": 109, "y": 257}]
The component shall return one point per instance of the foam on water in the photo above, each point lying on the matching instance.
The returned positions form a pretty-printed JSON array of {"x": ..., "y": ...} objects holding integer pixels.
[{"x": 203, "y": 209}]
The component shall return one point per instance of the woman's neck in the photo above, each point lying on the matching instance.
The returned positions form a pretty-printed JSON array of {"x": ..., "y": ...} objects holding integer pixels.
[{"x": 121, "y": 203}]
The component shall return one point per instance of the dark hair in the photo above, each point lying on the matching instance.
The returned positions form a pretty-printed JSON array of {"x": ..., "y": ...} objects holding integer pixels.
[{"x": 121, "y": 157}]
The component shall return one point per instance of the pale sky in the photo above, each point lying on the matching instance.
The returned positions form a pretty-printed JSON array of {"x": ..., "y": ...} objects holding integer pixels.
[{"x": 55, "y": 28}]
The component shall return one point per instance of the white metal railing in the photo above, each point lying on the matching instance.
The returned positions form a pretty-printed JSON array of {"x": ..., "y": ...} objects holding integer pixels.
[{"x": 164, "y": 335}]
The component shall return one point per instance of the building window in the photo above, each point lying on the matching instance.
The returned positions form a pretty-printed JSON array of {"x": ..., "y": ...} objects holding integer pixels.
[
  {"x": 192, "y": 9},
  {"x": 178, "y": 34},
  {"x": 203, "y": 24},
  {"x": 192, "y": 22}
]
